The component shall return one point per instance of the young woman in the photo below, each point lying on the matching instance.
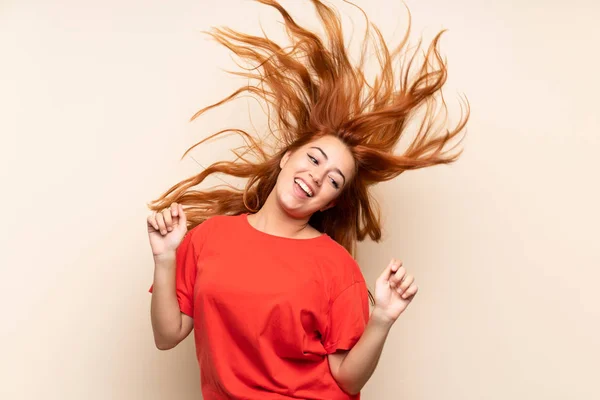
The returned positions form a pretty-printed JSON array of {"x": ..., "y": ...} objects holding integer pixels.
[{"x": 265, "y": 276}]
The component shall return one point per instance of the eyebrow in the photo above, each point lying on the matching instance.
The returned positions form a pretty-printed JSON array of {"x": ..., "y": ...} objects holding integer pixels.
[{"x": 327, "y": 158}]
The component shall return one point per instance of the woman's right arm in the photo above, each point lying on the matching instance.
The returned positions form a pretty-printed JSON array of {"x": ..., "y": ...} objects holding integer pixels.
[{"x": 169, "y": 325}]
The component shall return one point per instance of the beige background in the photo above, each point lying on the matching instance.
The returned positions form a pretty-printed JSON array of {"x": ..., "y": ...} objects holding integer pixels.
[{"x": 95, "y": 99}]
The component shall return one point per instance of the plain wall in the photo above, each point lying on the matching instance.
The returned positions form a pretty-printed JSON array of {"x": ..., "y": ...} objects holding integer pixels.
[{"x": 95, "y": 98}]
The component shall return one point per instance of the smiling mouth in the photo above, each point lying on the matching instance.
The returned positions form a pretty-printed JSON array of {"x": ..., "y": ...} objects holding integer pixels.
[{"x": 304, "y": 187}]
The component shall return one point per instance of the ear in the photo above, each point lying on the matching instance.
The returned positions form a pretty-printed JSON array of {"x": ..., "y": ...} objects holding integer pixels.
[
  {"x": 328, "y": 206},
  {"x": 284, "y": 159}
]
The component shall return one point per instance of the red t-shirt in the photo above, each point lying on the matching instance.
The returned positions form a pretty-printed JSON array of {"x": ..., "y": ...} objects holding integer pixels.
[{"x": 268, "y": 310}]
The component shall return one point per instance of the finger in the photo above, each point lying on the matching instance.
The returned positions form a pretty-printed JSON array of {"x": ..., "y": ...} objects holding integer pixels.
[
  {"x": 168, "y": 219},
  {"x": 405, "y": 284},
  {"x": 397, "y": 277},
  {"x": 174, "y": 209},
  {"x": 160, "y": 220},
  {"x": 182, "y": 216},
  {"x": 387, "y": 272},
  {"x": 410, "y": 292},
  {"x": 397, "y": 265},
  {"x": 152, "y": 221}
]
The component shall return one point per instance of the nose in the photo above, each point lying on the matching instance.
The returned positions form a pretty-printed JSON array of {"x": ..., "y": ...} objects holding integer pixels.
[{"x": 316, "y": 179}]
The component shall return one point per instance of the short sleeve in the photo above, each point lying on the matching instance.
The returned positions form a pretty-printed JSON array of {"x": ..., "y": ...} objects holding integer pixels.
[
  {"x": 347, "y": 318},
  {"x": 186, "y": 268}
]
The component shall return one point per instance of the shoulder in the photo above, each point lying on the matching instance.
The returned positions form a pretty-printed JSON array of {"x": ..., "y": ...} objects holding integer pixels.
[
  {"x": 211, "y": 226},
  {"x": 340, "y": 268},
  {"x": 216, "y": 221}
]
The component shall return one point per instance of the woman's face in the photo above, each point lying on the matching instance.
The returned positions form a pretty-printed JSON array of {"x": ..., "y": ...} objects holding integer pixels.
[{"x": 313, "y": 176}]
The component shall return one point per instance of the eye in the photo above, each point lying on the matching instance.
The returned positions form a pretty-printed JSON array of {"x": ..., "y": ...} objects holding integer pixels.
[
  {"x": 334, "y": 183},
  {"x": 313, "y": 160}
]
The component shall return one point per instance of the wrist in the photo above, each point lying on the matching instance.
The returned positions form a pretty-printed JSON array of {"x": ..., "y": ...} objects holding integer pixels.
[
  {"x": 380, "y": 319},
  {"x": 165, "y": 259}
]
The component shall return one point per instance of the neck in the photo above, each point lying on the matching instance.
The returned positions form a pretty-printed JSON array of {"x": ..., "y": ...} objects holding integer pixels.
[{"x": 273, "y": 220}]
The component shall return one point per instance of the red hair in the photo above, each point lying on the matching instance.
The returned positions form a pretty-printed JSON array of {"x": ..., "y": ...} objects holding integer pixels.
[{"x": 310, "y": 89}]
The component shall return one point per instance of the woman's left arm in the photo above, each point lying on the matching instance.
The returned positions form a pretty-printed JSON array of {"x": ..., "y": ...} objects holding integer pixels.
[{"x": 394, "y": 291}]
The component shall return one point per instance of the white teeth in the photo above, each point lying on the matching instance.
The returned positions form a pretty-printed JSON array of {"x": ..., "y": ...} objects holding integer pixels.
[{"x": 304, "y": 187}]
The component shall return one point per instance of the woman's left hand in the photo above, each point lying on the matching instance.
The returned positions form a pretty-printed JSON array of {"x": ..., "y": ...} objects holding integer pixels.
[{"x": 394, "y": 290}]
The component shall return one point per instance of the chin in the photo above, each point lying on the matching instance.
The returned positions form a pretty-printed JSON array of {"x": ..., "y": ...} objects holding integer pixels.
[
  {"x": 293, "y": 210},
  {"x": 291, "y": 207}
]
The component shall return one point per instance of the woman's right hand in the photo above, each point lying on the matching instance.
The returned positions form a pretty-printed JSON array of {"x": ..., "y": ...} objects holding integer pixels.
[{"x": 166, "y": 229}]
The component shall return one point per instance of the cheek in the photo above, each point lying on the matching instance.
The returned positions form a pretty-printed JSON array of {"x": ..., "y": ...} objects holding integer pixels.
[
  {"x": 328, "y": 194},
  {"x": 287, "y": 171},
  {"x": 292, "y": 165},
  {"x": 281, "y": 181}
]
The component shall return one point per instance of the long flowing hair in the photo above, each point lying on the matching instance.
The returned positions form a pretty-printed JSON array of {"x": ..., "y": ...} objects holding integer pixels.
[{"x": 309, "y": 89}]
